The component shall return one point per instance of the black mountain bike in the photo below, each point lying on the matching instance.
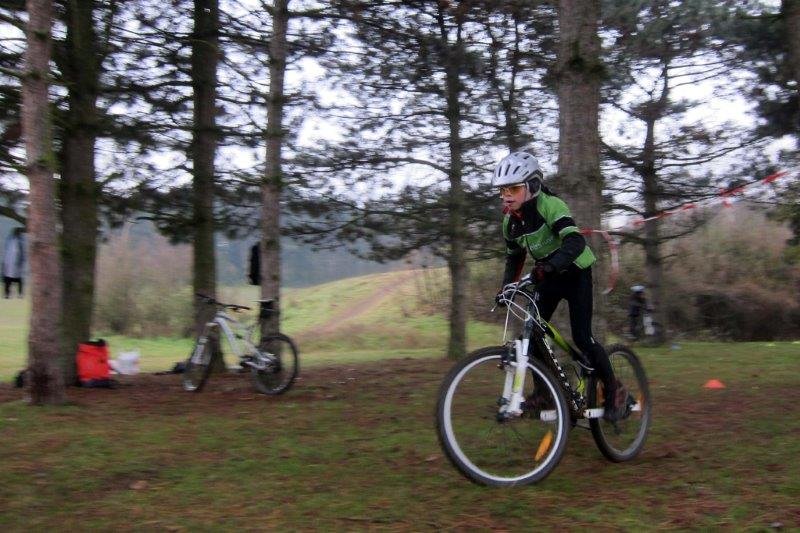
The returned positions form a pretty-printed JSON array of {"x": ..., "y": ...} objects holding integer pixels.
[{"x": 505, "y": 412}]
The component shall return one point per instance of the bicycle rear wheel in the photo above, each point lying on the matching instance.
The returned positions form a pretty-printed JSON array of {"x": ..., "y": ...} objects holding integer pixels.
[
  {"x": 198, "y": 366},
  {"x": 622, "y": 440},
  {"x": 276, "y": 364},
  {"x": 487, "y": 448}
]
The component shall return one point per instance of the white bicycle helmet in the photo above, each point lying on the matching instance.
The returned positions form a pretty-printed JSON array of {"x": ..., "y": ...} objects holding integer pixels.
[{"x": 516, "y": 168}]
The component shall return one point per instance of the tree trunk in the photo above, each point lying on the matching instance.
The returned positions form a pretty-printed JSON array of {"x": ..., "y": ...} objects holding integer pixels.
[
  {"x": 78, "y": 187},
  {"x": 205, "y": 55},
  {"x": 46, "y": 383},
  {"x": 457, "y": 260},
  {"x": 272, "y": 185},
  {"x": 654, "y": 269},
  {"x": 653, "y": 262},
  {"x": 578, "y": 75}
]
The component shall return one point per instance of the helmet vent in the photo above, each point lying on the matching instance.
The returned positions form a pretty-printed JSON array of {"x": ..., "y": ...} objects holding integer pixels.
[{"x": 516, "y": 168}]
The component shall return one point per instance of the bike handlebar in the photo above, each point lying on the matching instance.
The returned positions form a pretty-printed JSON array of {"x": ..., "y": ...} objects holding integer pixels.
[
  {"x": 510, "y": 290},
  {"x": 212, "y": 301},
  {"x": 525, "y": 281}
]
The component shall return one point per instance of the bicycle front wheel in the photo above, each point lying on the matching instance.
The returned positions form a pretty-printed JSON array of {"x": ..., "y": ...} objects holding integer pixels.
[
  {"x": 276, "y": 364},
  {"x": 198, "y": 366},
  {"x": 622, "y": 440},
  {"x": 491, "y": 449}
]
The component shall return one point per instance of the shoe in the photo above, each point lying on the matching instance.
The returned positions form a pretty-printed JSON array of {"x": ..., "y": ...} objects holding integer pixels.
[
  {"x": 540, "y": 400},
  {"x": 619, "y": 408}
]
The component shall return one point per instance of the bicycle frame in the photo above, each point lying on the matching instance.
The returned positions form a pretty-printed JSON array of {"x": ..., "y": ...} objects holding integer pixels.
[
  {"x": 233, "y": 334},
  {"x": 536, "y": 329}
]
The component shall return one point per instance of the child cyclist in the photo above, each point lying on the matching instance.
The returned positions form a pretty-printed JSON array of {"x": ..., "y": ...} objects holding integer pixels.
[{"x": 539, "y": 223}]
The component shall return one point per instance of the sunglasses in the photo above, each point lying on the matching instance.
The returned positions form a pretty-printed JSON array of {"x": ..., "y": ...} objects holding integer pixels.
[{"x": 511, "y": 189}]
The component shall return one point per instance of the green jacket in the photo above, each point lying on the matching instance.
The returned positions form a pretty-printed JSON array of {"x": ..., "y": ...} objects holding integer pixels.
[{"x": 544, "y": 228}]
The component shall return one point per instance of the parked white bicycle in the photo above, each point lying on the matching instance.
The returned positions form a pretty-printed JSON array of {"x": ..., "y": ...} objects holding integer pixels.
[
  {"x": 504, "y": 412},
  {"x": 272, "y": 360}
]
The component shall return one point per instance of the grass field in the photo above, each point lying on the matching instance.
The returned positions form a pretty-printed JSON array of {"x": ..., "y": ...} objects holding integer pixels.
[{"x": 352, "y": 446}]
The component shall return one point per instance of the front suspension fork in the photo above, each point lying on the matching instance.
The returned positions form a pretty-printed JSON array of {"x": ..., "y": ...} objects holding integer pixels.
[{"x": 514, "y": 385}]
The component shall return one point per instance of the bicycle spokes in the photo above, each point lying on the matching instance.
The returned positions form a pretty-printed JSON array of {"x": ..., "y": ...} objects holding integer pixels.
[
  {"x": 624, "y": 438},
  {"x": 492, "y": 444},
  {"x": 198, "y": 366},
  {"x": 275, "y": 364}
]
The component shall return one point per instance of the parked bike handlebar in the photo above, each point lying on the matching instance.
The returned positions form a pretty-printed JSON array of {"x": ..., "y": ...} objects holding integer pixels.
[{"x": 212, "y": 301}]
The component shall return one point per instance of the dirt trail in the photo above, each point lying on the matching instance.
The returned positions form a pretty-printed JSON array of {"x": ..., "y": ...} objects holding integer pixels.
[{"x": 361, "y": 307}]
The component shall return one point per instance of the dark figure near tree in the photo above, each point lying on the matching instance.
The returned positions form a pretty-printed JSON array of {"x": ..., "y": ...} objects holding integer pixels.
[
  {"x": 637, "y": 308},
  {"x": 13, "y": 262}
]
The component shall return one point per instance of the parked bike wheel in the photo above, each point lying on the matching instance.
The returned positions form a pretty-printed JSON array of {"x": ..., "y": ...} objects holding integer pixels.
[
  {"x": 277, "y": 364},
  {"x": 198, "y": 366},
  {"x": 484, "y": 447},
  {"x": 622, "y": 440}
]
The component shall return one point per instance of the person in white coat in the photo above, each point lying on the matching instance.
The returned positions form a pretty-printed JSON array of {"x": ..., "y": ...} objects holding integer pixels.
[{"x": 13, "y": 262}]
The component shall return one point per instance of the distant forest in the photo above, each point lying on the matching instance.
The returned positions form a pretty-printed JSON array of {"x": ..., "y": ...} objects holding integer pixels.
[{"x": 302, "y": 265}]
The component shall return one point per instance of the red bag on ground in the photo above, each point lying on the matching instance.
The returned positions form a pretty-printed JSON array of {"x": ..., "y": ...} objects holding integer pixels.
[{"x": 92, "y": 361}]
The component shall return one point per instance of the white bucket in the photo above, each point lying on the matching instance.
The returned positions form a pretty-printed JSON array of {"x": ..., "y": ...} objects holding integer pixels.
[{"x": 126, "y": 363}]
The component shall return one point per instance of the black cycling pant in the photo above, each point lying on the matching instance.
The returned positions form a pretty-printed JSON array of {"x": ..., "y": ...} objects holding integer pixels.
[
  {"x": 8, "y": 282},
  {"x": 575, "y": 286},
  {"x": 635, "y": 326}
]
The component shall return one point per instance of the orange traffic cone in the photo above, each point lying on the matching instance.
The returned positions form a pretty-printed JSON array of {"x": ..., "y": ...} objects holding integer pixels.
[{"x": 714, "y": 384}]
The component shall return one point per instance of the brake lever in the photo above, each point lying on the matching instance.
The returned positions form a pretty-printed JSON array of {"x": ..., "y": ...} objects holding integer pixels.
[{"x": 204, "y": 298}]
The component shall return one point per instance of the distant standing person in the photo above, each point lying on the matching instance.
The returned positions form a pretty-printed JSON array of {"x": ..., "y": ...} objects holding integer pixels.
[
  {"x": 636, "y": 310},
  {"x": 13, "y": 262},
  {"x": 255, "y": 265}
]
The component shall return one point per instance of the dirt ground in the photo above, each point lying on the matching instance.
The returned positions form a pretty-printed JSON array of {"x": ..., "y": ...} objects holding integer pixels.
[{"x": 153, "y": 392}]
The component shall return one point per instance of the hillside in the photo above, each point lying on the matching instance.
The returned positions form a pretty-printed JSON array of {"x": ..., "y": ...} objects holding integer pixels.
[
  {"x": 361, "y": 318},
  {"x": 388, "y": 313}
]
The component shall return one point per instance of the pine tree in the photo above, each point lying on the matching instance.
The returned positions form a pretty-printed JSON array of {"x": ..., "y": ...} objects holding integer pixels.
[
  {"x": 205, "y": 56},
  {"x": 46, "y": 384},
  {"x": 438, "y": 90},
  {"x": 519, "y": 52},
  {"x": 79, "y": 60},
  {"x": 578, "y": 74},
  {"x": 408, "y": 67},
  {"x": 766, "y": 41},
  {"x": 272, "y": 184},
  {"x": 660, "y": 152},
  {"x": 12, "y": 44}
]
